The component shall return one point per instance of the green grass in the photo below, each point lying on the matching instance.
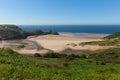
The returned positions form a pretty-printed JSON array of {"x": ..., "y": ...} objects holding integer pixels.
[
  {"x": 113, "y": 36},
  {"x": 113, "y": 42},
  {"x": 18, "y": 67},
  {"x": 110, "y": 40}
]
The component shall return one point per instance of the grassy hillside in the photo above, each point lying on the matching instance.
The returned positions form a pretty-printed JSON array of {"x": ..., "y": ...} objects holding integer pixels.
[
  {"x": 14, "y": 32},
  {"x": 110, "y": 40},
  {"x": 113, "y": 36},
  {"x": 11, "y": 32},
  {"x": 14, "y": 66}
]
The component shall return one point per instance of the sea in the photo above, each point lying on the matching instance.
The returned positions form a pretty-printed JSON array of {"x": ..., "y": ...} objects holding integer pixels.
[{"x": 75, "y": 29}]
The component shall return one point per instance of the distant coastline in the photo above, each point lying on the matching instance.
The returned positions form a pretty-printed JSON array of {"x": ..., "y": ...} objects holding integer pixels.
[
  {"x": 10, "y": 32},
  {"x": 76, "y": 29}
]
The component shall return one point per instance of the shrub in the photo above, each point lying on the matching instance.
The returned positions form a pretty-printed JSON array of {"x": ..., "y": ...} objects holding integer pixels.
[
  {"x": 90, "y": 61},
  {"x": 52, "y": 55},
  {"x": 72, "y": 56},
  {"x": 37, "y": 55},
  {"x": 65, "y": 64},
  {"x": 97, "y": 62},
  {"x": 103, "y": 63},
  {"x": 83, "y": 56},
  {"x": 21, "y": 46}
]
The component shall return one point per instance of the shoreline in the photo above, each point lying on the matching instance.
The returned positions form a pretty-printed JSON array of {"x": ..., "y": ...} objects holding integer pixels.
[{"x": 74, "y": 33}]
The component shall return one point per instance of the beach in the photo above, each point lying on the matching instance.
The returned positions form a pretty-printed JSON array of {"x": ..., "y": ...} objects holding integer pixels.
[{"x": 58, "y": 43}]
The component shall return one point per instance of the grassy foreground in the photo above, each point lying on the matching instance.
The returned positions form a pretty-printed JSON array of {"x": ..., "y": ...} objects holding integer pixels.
[{"x": 14, "y": 66}]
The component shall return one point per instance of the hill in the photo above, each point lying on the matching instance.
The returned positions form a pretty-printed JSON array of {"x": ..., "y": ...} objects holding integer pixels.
[
  {"x": 14, "y": 32},
  {"x": 110, "y": 40},
  {"x": 100, "y": 65},
  {"x": 11, "y": 32},
  {"x": 113, "y": 36}
]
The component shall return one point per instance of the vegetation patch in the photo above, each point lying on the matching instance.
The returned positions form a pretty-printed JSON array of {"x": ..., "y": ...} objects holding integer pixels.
[
  {"x": 108, "y": 56},
  {"x": 111, "y": 40}
]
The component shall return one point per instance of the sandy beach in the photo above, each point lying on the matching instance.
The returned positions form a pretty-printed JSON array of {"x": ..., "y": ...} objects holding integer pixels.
[{"x": 58, "y": 43}]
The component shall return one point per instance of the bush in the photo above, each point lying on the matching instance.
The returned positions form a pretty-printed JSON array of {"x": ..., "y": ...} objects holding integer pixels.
[
  {"x": 21, "y": 46},
  {"x": 65, "y": 64},
  {"x": 83, "y": 56},
  {"x": 72, "y": 56},
  {"x": 103, "y": 63},
  {"x": 52, "y": 55},
  {"x": 37, "y": 55}
]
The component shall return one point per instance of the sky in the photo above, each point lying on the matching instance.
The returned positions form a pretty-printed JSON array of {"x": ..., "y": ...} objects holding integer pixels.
[{"x": 59, "y": 12}]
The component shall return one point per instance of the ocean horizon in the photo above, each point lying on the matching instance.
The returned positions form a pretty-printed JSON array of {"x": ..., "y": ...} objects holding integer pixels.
[{"x": 75, "y": 29}]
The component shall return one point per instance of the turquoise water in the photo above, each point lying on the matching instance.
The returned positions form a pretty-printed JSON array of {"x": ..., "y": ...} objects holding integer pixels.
[{"x": 76, "y": 29}]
